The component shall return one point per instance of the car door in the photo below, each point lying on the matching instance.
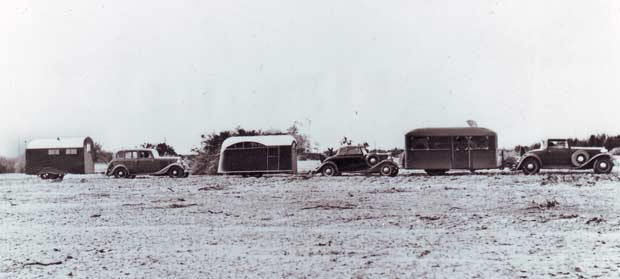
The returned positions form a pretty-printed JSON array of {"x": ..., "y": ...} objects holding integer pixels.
[
  {"x": 131, "y": 161},
  {"x": 357, "y": 160},
  {"x": 146, "y": 162},
  {"x": 558, "y": 153}
]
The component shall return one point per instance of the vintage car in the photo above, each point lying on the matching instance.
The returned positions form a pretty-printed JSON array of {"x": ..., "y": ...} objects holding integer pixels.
[
  {"x": 559, "y": 154},
  {"x": 357, "y": 159},
  {"x": 131, "y": 162}
]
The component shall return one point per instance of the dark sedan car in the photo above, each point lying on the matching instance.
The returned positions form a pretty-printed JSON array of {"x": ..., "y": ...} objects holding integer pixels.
[
  {"x": 559, "y": 154},
  {"x": 356, "y": 159},
  {"x": 132, "y": 162}
]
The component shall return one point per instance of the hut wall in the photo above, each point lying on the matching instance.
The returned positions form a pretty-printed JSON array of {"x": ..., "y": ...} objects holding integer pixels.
[{"x": 36, "y": 159}]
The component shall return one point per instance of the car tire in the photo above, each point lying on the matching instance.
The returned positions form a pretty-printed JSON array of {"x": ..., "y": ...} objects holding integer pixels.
[
  {"x": 176, "y": 172},
  {"x": 329, "y": 170},
  {"x": 530, "y": 166},
  {"x": 121, "y": 173},
  {"x": 603, "y": 166},
  {"x": 579, "y": 158},
  {"x": 372, "y": 160},
  {"x": 386, "y": 169},
  {"x": 435, "y": 172}
]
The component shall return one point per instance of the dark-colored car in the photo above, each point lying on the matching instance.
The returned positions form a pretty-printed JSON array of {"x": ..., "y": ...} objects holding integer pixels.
[
  {"x": 559, "y": 154},
  {"x": 357, "y": 159},
  {"x": 131, "y": 162}
]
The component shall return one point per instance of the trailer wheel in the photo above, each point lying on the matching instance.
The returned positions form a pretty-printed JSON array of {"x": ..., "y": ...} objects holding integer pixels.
[
  {"x": 121, "y": 173},
  {"x": 530, "y": 166},
  {"x": 435, "y": 172},
  {"x": 329, "y": 170},
  {"x": 603, "y": 166},
  {"x": 175, "y": 172}
]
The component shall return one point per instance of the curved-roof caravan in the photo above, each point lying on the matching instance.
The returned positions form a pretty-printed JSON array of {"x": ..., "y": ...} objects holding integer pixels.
[
  {"x": 437, "y": 150},
  {"x": 256, "y": 155},
  {"x": 60, "y": 155}
]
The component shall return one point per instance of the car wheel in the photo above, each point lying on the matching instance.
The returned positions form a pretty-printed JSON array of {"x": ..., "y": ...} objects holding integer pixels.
[
  {"x": 373, "y": 160},
  {"x": 175, "y": 172},
  {"x": 530, "y": 166},
  {"x": 44, "y": 176},
  {"x": 579, "y": 158},
  {"x": 329, "y": 170},
  {"x": 435, "y": 172},
  {"x": 121, "y": 173},
  {"x": 386, "y": 170},
  {"x": 603, "y": 165},
  {"x": 394, "y": 172}
]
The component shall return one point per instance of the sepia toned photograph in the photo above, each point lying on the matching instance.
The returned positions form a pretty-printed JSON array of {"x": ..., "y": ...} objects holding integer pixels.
[{"x": 309, "y": 139}]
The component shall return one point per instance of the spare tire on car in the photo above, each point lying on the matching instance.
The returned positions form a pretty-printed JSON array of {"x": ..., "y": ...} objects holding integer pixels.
[{"x": 579, "y": 158}]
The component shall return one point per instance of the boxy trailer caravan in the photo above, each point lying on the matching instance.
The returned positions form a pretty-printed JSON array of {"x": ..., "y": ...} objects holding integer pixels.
[
  {"x": 52, "y": 158},
  {"x": 258, "y": 155},
  {"x": 437, "y": 150}
]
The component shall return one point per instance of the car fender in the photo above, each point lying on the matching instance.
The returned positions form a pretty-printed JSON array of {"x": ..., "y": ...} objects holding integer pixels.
[
  {"x": 520, "y": 165},
  {"x": 114, "y": 168},
  {"x": 165, "y": 169},
  {"x": 318, "y": 169},
  {"x": 590, "y": 162},
  {"x": 378, "y": 166}
]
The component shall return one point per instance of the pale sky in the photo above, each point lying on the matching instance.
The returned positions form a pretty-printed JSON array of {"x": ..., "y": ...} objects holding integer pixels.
[{"x": 128, "y": 72}]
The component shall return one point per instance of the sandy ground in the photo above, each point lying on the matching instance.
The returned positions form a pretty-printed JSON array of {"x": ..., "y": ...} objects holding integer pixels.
[{"x": 486, "y": 225}]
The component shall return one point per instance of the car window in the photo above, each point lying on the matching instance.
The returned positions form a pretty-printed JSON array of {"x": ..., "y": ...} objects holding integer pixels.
[
  {"x": 120, "y": 155},
  {"x": 558, "y": 144},
  {"x": 145, "y": 155},
  {"x": 131, "y": 154},
  {"x": 354, "y": 151}
]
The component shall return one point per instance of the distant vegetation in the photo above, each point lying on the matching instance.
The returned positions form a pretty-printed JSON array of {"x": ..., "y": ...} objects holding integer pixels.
[
  {"x": 163, "y": 149},
  {"x": 101, "y": 156},
  {"x": 12, "y": 165}
]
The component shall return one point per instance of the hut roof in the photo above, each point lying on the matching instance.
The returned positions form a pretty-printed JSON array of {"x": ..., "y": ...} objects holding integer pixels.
[
  {"x": 72, "y": 142},
  {"x": 275, "y": 140},
  {"x": 459, "y": 131}
]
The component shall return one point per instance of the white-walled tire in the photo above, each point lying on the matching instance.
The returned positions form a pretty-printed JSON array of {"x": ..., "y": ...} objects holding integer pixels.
[
  {"x": 329, "y": 170},
  {"x": 121, "y": 173},
  {"x": 530, "y": 166},
  {"x": 386, "y": 170},
  {"x": 603, "y": 166}
]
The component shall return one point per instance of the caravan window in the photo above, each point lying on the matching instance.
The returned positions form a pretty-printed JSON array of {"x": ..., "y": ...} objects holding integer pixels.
[
  {"x": 480, "y": 142},
  {"x": 71, "y": 151},
  {"x": 53, "y": 152},
  {"x": 461, "y": 143},
  {"x": 440, "y": 143},
  {"x": 419, "y": 143}
]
